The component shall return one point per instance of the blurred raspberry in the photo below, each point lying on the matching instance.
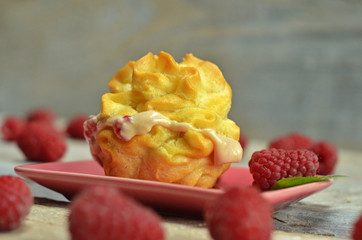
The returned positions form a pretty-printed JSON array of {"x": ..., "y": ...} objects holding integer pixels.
[
  {"x": 11, "y": 128},
  {"x": 41, "y": 142},
  {"x": 357, "y": 229},
  {"x": 240, "y": 213},
  {"x": 270, "y": 165},
  {"x": 327, "y": 157},
  {"x": 75, "y": 126},
  {"x": 42, "y": 115},
  {"x": 292, "y": 141},
  {"x": 243, "y": 140},
  {"x": 15, "y": 202},
  {"x": 104, "y": 213}
]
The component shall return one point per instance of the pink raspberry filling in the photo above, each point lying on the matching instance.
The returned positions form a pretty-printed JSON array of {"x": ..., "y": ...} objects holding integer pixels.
[{"x": 118, "y": 125}]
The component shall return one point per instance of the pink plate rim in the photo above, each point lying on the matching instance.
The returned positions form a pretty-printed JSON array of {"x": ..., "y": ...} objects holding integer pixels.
[{"x": 55, "y": 176}]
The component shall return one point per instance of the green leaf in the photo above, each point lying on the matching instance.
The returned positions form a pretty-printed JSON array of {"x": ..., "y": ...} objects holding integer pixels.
[{"x": 295, "y": 181}]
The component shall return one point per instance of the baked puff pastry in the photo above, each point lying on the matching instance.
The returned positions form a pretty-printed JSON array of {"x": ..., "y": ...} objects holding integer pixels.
[{"x": 165, "y": 121}]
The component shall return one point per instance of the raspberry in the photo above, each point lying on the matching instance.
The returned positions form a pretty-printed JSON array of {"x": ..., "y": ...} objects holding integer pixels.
[
  {"x": 270, "y": 165},
  {"x": 90, "y": 128},
  {"x": 327, "y": 157},
  {"x": 102, "y": 212},
  {"x": 41, "y": 114},
  {"x": 119, "y": 124},
  {"x": 243, "y": 140},
  {"x": 326, "y": 152},
  {"x": 11, "y": 128},
  {"x": 15, "y": 202},
  {"x": 240, "y": 213},
  {"x": 357, "y": 229},
  {"x": 292, "y": 141},
  {"x": 41, "y": 142},
  {"x": 75, "y": 126}
]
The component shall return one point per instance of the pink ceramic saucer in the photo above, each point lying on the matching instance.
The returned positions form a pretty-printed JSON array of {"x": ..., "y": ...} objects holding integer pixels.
[{"x": 69, "y": 178}]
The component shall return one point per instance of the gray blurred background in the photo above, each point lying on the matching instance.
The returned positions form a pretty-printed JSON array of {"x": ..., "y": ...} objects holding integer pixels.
[{"x": 292, "y": 65}]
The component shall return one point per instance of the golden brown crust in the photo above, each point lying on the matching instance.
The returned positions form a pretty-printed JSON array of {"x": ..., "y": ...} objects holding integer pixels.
[{"x": 194, "y": 92}]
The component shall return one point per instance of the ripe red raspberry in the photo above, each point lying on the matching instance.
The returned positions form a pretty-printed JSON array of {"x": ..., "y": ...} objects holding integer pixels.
[
  {"x": 327, "y": 157},
  {"x": 41, "y": 142},
  {"x": 11, "y": 128},
  {"x": 75, "y": 126},
  {"x": 270, "y": 165},
  {"x": 41, "y": 114},
  {"x": 357, "y": 229},
  {"x": 292, "y": 141},
  {"x": 240, "y": 213},
  {"x": 15, "y": 202},
  {"x": 243, "y": 140},
  {"x": 102, "y": 212},
  {"x": 326, "y": 152}
]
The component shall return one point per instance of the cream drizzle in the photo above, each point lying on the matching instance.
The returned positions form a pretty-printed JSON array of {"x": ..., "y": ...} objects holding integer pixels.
[{"x": 226, "y": 150}]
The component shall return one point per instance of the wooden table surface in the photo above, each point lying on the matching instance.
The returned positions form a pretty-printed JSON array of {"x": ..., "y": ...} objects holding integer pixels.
[{"x": 328, "y": 214}]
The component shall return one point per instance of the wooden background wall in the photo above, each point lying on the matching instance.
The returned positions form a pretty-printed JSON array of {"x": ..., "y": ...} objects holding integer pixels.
[{"x": 292, "y": 65}]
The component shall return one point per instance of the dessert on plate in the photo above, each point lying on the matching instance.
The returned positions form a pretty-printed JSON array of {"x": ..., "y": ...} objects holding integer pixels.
[{"x": 166, "y": 121}]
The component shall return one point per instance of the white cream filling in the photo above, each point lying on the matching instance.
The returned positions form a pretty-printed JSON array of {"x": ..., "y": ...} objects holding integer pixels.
[{"x": 226, "y": 150}]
